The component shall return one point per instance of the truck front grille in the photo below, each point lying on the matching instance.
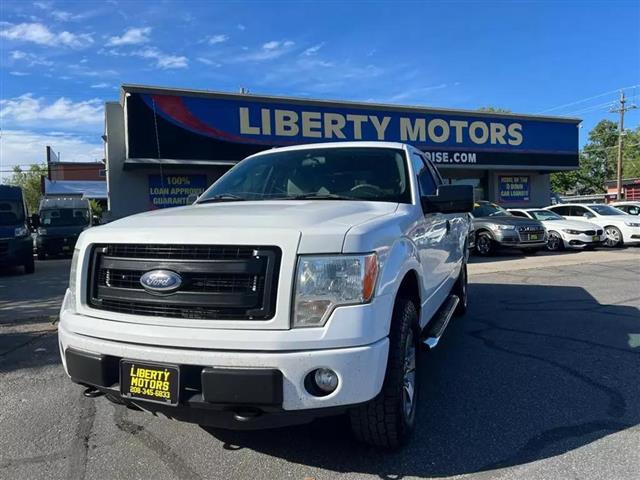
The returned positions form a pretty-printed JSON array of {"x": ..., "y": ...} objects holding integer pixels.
[{"x": 218, "y": 282}]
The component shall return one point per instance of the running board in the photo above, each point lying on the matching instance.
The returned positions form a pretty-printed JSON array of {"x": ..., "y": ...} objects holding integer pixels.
[{"x": 438, "y": 325}]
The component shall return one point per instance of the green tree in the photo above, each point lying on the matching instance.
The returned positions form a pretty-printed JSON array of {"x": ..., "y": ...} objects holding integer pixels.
[
  {"x": 96, "y": 208},
  {"x": 30, "y": 181}
]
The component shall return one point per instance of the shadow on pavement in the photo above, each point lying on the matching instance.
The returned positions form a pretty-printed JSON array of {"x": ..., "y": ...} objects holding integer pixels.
[{"x": 551, "y": 372}]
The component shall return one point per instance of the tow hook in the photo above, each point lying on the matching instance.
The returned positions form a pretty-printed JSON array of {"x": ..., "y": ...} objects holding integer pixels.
[
  {"x": 92, "y": 392},
  {"x": 246, "y": 415}
]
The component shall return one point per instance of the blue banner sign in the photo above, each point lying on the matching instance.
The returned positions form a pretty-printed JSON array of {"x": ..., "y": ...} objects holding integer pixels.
[
  {"x": 174, "y": 190},
  {"x": 212, "y": 123},
  {"x": 514, "y": 188}
]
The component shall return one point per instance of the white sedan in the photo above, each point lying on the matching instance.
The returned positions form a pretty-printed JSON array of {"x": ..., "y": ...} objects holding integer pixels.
[
  {"x": 563, "y": 233},
  {"x": 630, "y": 207},
  {"x": 619, "y": 227}
]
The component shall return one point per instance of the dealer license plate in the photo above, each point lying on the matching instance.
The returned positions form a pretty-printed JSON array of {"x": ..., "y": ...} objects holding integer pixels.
[
  {"x": 533, "y": 237},
  {"x": 150, "y": 382}
]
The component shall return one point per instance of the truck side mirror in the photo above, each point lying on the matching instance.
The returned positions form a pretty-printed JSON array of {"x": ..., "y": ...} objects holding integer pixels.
[
  {"x": 449, "y": 199},
  {"x": 34, "y": 221}
]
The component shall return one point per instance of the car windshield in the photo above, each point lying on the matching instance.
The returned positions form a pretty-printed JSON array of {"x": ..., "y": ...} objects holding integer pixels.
[
  {"x": 11, "y": 212},
  {"x": 545, "y": 215},
  {"x": 375, "y": 174},
  {"x": 489, "y": 210},
  {"x": 605, "y": 210},
  {"x": 64, "y": 217}
]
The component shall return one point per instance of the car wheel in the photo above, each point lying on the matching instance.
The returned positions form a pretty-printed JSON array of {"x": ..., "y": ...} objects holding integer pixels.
[
  {"x": 555, "y": 243},
  {"x": 484, "y": 244},
  {"x": 461, "y": 289},
  {"x": 614, "y": 237},
  {"x": 29, "y": 265},
  {"x": 388, "y": 419}
]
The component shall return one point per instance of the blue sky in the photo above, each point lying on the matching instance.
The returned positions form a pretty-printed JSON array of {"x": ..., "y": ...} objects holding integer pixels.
[{"x": 61, "y": 60}]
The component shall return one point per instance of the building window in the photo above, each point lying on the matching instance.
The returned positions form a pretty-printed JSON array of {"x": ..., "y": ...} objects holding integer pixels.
[{"x": 102, "y": 172}]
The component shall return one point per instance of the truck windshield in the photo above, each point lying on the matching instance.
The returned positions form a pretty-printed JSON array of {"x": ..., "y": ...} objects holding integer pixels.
[
  {"x": 11, "y": 212},
  {"x": 375, "y": 174},
  {"x": 64, "y": 217}
]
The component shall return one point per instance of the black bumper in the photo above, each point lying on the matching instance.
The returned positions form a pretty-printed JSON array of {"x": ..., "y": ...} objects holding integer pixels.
[
  {"x": 53, "y": 245},
  {"x": 237, "y": 399},
  {"x": 15, "y": 251}
]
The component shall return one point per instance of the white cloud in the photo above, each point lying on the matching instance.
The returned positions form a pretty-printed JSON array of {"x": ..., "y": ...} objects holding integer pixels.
[
  {"x": 132, "y": 36},
  {"x": 270, "y": 50},
  {"x": 24, "y": 147},
  {"x": 217, "y": 39},
  {"x": 30, "y": 58},
  {"x": 29, "y": 111},
  {"x": 61, "y": 15},
  {"x": 241, "y": 27},
  {"x": 313, "y": 50},
  {"x": 40, "y": 34},
  {"x": 208, "y": 61},
  {"x": 100, "y": 85},
  {"x": 163, "y": 60},
  {"x": 18, "y": 74}
]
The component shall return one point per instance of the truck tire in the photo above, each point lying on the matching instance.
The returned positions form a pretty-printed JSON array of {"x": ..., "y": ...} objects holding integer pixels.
[
  {"x": 388, "y": 420},
  {"x": 484, "y": 244},
  {"x": 461, "y": 290},
  {"x": 29, "y": 265}
]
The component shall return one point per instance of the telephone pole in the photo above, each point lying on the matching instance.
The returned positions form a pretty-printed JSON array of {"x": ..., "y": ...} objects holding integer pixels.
[{"x": 621, "y": 111}]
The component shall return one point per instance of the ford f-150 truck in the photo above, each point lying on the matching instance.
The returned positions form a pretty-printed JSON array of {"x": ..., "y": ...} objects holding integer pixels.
[{"x": 301, "y": 284}]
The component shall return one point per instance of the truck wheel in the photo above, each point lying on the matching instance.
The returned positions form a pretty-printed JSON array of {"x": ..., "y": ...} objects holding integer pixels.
[
  {"x": 388, "y": 419},
  {"x": 41, "y": 255},
  {"x": 29, "y": 265},
  {"x": 484, "y": 244},
  {"x": 461, "y": 290}
]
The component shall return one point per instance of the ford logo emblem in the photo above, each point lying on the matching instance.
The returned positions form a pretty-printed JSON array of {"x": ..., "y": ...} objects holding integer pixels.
[{"x": 160, "y": 281}]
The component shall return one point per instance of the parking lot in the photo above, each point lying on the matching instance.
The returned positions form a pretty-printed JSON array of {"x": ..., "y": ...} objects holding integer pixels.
[{"x": 538, "y": 380}]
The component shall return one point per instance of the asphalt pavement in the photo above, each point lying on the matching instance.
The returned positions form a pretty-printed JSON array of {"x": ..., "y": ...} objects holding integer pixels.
[{"x": 539, "y": 380}]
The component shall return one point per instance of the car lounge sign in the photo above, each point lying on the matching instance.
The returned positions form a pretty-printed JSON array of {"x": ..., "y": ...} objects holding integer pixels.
[
  {"x": 256, "y": 123},
  {"x": 514, "y": 188}
]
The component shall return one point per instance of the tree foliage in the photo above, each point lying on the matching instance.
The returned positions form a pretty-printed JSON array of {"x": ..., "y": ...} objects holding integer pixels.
[
  {"x": 598, "y": 161},
  {"x": 29, "y": 180}
]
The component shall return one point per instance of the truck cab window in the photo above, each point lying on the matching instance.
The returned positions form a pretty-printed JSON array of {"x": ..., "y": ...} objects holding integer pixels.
[{"x": 426, "y": 182}]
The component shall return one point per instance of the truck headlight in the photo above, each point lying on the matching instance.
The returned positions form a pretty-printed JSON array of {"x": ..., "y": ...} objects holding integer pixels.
[
  {"x": 70, "y": 299},
  {"x": 21, "y": 232},
  {"x": 632, "y": 224},
  {"x": 571, "y": 232},
  {"x": 325, "y": 282}
]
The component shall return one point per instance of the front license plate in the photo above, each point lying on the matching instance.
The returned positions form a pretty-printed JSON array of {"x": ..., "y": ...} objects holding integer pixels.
[
  {"x": 533, "y": 237},
  {"x": 595, "y": 239},
  {"x": 150, "y": 382}
]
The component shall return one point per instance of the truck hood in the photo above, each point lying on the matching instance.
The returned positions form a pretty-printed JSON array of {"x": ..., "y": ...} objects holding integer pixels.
[{"x": 321, "y": 225}]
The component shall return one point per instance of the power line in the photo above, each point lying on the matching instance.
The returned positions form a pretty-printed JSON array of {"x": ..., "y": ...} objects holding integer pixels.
[
  {"x": 621, "y": 110},
  {"x": 586, "y": 99}
]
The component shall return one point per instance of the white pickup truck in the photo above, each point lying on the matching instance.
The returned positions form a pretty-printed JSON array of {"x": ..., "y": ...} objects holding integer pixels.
[{"x": 300, "y": 284}]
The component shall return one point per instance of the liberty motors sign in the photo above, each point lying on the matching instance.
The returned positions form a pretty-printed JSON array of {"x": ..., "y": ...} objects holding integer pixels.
[{"x": 227, "y": 127}]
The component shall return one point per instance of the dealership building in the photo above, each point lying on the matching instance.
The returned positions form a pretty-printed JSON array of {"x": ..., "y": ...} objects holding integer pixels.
[{"x": 165, "y": 144}]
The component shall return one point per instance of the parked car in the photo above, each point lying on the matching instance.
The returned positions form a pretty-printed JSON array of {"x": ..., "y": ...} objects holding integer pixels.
[
  {"x": 300, "y": 284},
  {"x": 496, "y": 228},
  {"x": 619, "y": 227},
  {"x": 15, "y": 235},
  {"x": 563, "y": 233},
  {"x": 59, "y": 221},
  {"x": 630, "y": 207}
]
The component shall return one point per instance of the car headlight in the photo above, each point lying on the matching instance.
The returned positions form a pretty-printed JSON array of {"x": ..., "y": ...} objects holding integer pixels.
[
  {"x": 325, "y": 282},
  {"x": 21, "y": 232},
  {"x": 632, "y": 224},
  {"x": 504, "y": 227},
  {"x": 571, "y": 232},
  {"x": 42, "y": 231}
]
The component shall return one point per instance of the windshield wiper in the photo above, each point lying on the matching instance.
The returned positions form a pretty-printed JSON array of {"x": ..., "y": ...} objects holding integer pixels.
[
  {"x": 223, "y": 197},
  {"x": 319, "y": 196}
]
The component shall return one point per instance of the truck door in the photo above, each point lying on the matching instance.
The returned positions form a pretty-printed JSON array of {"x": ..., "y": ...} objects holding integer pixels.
[{"x": 430, "y": 233}]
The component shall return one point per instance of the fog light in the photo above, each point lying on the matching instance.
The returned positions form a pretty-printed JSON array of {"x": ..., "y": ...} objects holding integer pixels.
[{"x": 321, "y": 382}]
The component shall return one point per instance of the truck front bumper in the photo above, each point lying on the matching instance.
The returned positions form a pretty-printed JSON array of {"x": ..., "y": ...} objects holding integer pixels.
[{"x": 360, "y": 370}]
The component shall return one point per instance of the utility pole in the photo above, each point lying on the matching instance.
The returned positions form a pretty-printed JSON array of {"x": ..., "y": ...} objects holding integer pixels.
[{"x": 621, "y": 111}]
